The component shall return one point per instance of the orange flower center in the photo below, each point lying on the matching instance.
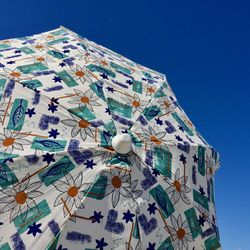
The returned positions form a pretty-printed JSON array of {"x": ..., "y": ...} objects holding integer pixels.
[
  {"x": 155, "y": 140},
  {"x": 39, "y": 46},
  {"x": 73, "y": 191},
  {"x": 79, "y": 73},
  {"x": 167, "y": 105},
  {"x": 116, "y": 182},
  {"x": 21, "y": 197},
  {"x": 40, "y": 59},
  {"x": 177, "y": 186},
  {"x": 50, "y": 36},
  {"x": 15, "y": 74},
  {"x": 104, "y": 63},
  {"x": 135, "y": 104},
  {"x": 83, "y": 124},
  {"x": 151, "y": 90},
  {"x": 181, "y": 233},
  {"x": 85, "y": 99},
  {"x": 8, "y": 142}
]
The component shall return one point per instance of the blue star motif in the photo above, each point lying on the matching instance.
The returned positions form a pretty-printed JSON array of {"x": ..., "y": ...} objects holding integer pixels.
[
  {"x": 151, "y": 208},
  {"x": 34, "y": 229},
  {"x": 129, "y": 82},
  {"x": 110, "y": 89},
  {"x": 151, "y": 246},
  {"x": 107, "y": 134},
  {"x": 30, "y": 112},
  {"x": 107, "y": 110},
  {"x": 202, "y": 191},
  {"x": 101, "y": 243},
  {"x": 11, "y": 62},
  {"x": 201, "y": 220},
  {"x": 195, "y": 158},
  {"x": 128, "y": 216},
  {"x": 53, "y": 133},
  {"x": 183, "y": 159},
  {"x": 55, "y": 100},
  {"x": 89, "y": 164},
  {"x": 181, "y": 128},
  {"x": 52, "y": 107},
  {"x": 96, "y": 217},
  {"x": 57, "y": 79},
  {"x": 155, "y": 172},
  {"x": 62, "y": 64},
  {"x": 159, "y": 121},
  {"x": 104, "y": 76},
  {"x": 48, "y": 158},
  {"x": 178, "y": 138}
]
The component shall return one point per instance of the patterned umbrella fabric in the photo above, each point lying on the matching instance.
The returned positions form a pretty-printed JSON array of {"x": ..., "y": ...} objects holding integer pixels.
[{"x": 96, "y": 153}]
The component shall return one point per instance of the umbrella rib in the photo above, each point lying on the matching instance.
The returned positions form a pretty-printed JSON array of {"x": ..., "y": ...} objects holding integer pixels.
[
  {"x": 23, "y": 133},
  {"x": 5, "y": 113},
  {"x": 165, "y": 223},
  {"x": 73, "y": 215},
  {"x": 130, "y": 236},
  {"x": 29, "y": 176}
]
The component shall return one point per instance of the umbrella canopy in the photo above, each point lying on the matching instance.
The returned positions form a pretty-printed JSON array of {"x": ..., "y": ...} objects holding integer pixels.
[{"x": 96, "y": 153}]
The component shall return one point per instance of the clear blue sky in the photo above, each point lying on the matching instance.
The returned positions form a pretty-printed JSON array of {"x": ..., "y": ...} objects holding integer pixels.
[{"x": 204, "y": 49}]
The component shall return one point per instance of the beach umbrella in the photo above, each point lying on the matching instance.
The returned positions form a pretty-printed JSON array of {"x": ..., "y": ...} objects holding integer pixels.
[{"x": 96, "y": 153}]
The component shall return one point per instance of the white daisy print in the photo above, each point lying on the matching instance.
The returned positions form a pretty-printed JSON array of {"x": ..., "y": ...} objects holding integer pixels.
[
  {"x": 87, "y": 99},
  {"x": 39, "y": 47},
  {"x": 81, "y": 73},
  {"x": 79, "y": 126},
  {"x": 178, "y": 188},
  {"x": 71, "y": 192},
  {"x": 135, "y": 103},
  {"x": 19, "y": 198},
  {"x": 12, "y": 74},
  {"x": 166, "y": 105},
  {"x": 150, "y": 90},
  {"x": 118, "y": 182},
  {"x": 211, "y": 166},
  {"x": 153, "y": 138},
  {"x": 45, "y": 59},
  {"x": 10, "y": 141},
  {"x": 180, "y": 233}
]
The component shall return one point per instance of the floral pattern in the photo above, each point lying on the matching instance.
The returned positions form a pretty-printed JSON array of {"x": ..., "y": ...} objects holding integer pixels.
[
  {"x": 10, "y": 141},
  {"x": 80, "y": 126},
  {"x": 117, "y": 184},
  {"x": 87, "y": 99},
  {"x": 63, "y": 98},
  {"x": 180, "y": 232},
  {"x": 70, "y": 192},
  {"x": 177, "y": 188},
  {"x": 19, "y": 198}
]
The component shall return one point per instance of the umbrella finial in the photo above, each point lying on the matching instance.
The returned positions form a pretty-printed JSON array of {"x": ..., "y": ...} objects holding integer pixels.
[{"x": 122, "y": 143}]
